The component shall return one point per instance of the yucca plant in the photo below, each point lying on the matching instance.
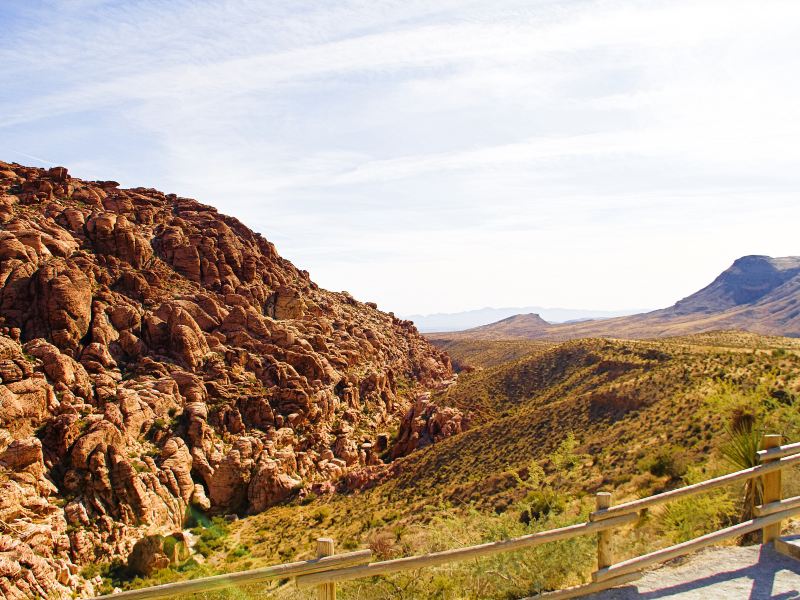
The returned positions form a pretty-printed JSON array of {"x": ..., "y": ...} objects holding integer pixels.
[{"x": 741, "y": 451}]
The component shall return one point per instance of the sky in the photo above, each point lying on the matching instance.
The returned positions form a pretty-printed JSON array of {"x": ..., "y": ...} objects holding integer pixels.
[{"x": 436, "y": 156}]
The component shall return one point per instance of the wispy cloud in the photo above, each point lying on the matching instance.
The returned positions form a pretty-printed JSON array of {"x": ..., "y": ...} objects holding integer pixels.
[{"x": 458, "y": 153}]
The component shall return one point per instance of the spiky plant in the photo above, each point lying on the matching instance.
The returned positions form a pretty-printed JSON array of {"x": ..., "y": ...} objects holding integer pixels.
[{"x": 741, "y": 451}]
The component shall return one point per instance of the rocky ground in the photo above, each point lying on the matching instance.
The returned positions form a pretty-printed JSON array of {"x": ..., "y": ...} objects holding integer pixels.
[{"x": 157, "y": 356}]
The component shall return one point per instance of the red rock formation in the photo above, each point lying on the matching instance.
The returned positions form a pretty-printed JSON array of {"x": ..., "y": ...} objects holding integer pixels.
[
  {"x": 155, "y": 354},
  {"x": 427, "y": 423}
]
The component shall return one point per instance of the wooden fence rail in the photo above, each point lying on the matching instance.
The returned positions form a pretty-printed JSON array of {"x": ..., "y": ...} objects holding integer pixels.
[
  {"x": 665, "y": 554},
  {"x": 328, "y": 568},
  {"x": 779, "y": 451},
  {"x": 438, "y": 558},
  {"x": 230, "y": 580},
  {"x": 697, "y": 488}
]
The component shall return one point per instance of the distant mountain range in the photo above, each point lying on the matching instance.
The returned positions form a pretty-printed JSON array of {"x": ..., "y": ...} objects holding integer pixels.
[
  {"x": 458, "y": 321},
  {"x": 757, "y": 293}
]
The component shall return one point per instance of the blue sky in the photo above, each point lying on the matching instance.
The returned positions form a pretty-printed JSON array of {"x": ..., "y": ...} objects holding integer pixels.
[{"x": 436, "y": 156}]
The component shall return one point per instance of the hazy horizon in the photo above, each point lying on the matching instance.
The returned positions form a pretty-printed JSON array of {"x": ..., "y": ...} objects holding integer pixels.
[
  {"x": 458, "y": 321},
  {"x": 434, "y": 159}
]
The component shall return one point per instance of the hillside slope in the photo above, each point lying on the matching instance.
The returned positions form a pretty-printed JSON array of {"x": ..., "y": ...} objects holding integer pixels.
[
  {"x": 157, "y": 356},
  {"x": 757, "y": 293},
  {"x": 468, "y": 354},
  {"x": 547, "y": 430}
]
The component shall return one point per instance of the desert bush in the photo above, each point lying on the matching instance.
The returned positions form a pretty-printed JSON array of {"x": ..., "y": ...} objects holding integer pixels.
[
  {"x": 169, "y": 544},
  {"x": 382, "y": 544},
  {"x": 669, "y": 461},
  {"x": 240, "y": 551},
  {"x": 195, "y": 517},
  {"x": 308, "y": 498},
  {"x": 697, "y": 515},
  {"x": 540, "y": 503},
  {"x": 565, "y": 457},
  {"x": 212, "y": 537},
  {"x": 321, "y": 514},
  {"x": 741, "y": 451}
]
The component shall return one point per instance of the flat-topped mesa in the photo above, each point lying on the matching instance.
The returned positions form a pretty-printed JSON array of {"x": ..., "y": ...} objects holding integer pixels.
[
  {"x": 163, "y": 355},
  {"x": 746, "y": 281}
]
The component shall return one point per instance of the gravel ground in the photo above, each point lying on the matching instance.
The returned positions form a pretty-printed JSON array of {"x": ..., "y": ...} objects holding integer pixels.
[{"x": 752, "y": 572}]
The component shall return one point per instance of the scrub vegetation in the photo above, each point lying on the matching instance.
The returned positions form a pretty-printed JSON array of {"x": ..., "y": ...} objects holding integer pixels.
[{"x": 548, "y": 430}]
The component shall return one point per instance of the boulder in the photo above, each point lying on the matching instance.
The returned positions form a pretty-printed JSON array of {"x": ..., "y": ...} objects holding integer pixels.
[
  {"x": 148, "y": 556},
  {"x": 269, "y": 486},
  {"x": 115, "y": 235},
  {"x": 427, "y": 423},
  {"x": 61, "y": 305}
]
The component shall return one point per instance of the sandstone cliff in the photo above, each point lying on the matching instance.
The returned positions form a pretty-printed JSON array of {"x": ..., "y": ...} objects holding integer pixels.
[{"x": 157, "y": 355}]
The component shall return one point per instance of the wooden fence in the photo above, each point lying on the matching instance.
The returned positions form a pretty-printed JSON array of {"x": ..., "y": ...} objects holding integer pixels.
[{"x": 328, "y": 568}]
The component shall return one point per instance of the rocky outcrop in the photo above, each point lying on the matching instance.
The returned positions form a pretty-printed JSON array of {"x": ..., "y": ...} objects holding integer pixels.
[
  {"x": 157, "y": 356},
  {"x": 427, "y": 423},
  {"x": 148, "y": 556},
  {"x": 269, "y": 486},
  {"x": 35, "y": 558}
]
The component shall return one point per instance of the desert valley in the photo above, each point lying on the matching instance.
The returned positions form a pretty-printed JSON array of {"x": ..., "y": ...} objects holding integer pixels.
[{"x": 179, "y": 401}]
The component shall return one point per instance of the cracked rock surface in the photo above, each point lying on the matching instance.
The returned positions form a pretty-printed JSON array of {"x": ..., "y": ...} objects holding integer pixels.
[{"x": 156, "y": 355}]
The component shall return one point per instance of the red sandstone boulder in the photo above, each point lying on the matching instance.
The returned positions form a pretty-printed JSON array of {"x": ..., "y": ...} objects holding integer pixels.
[
  {"x": 60, "y": 368},
  {"x": 269, "y": 486},
  {"x": 427, "y": 423},
  {"x": 148, "y": 556},
  {"x": 115, "y": 235},
  {"x": 62, "y": 305}
]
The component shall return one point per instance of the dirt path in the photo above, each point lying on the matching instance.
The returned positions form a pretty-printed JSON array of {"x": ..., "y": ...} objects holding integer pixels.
[{"x": 752, "y": 572}]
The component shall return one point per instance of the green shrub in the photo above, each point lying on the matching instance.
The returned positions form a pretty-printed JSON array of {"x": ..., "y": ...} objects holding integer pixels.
[
  {"x": 239, "y": 552},
  {"x": 195, "y": 517},
  {"x": 695, "y": 516},
  {"x": 308, "y": 498},
  {"x": 670, "y": 461},
  {"x": 169, "y": 545},
  {"x": 91, "y": 571},
  {"x": 321, "y": 514},
  {"x": 541, "y": 503},
  {"x": 565, "y": 457},
  {"x": 741, "y": 452},
  {"x": 212, "y": 537}
]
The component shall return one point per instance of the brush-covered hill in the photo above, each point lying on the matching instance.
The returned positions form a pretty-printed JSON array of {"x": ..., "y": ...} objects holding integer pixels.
[
  {"x": 469, "y": 353},
  {"x": 760, "y": 294},
  {"x": 158, "y": 357},
  {"x": 621, "y": 399},
  {"x": 547, "y": 429}
]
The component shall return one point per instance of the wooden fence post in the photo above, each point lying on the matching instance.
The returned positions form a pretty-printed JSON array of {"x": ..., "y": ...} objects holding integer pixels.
[
  {"x": 772, "y": 488},
  {"x": 605, "y": 553},
  {"x": 325, "y": 591}
]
